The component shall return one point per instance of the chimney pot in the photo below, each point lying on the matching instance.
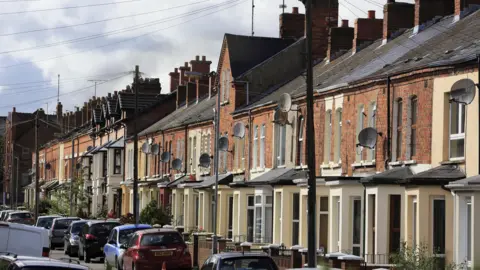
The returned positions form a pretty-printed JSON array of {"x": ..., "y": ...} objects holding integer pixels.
[
  {"x": 115, "y": 93},
  {"x": 197, "y": 58},
  {"x": 186, "y": 64},
  {"x": 109, "y": 95},
  {"x": 371, "y": 14},
  {"x": 204, "y": 58},
  {"x": 176, "y": 70},
  {"x": 295, "y": 10},
  {"x": 344, "y": 23}
]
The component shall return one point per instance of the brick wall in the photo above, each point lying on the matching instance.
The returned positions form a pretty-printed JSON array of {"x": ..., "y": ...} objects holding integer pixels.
[
  {"x": 462, "y": 4},
  {"x": 426, "y": 10},
  {"x": 397, "y": 15}
]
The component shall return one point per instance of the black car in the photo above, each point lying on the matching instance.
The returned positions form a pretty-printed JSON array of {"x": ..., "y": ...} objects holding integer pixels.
[
  {"x": 93, "y": 237},
  {"x": 240, "y": 260},
  {"x": 11, "y": 261}
]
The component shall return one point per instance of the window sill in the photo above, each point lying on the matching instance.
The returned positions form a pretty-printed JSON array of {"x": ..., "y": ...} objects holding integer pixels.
[
  {"x": 395, "y": 163},
  {"x": 224, "y": 103},
  {"x": 410, "y": 162},
  {"x": 238, "y": 171},
  {"x": 363, "y": 163},
  {"x": 301, "y": 167},
  {"x": 453, "y": 161},
  {"x": 257, "y": 170}
]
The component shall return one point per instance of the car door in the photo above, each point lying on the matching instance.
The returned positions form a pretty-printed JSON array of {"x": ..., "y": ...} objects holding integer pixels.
[
  {"x": 81, "y": 236},
  {"x": 127, "y": 257},
  {"x": 66, "y": 237},
  {"x": 109, "y": 247}
]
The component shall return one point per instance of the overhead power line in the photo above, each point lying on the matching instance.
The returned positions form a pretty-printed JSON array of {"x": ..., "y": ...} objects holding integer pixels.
[
  {"x": 121, "y": 30},
  {"x": 99, "y": 21},
  {"x": 63, "y": 8},
  {"x": 36, "y": 83},
  {"x": 122, "y": 41}
]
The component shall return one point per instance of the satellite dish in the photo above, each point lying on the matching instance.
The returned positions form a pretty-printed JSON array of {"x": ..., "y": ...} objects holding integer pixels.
[
  {"x": 150, "y": 140},
  {"x": 165, "y": 157},
  {"x": 463, "y": 91},
  {"x": 146, "y": 148},
  {"x": 368, "y": 137},
  {"x": 281, "y": 118},
  {"x": 239, "y": 130},
  {"x": 285, "y": 103},
  {"x": 48, "y": 166},
  {"x": 204, "y": 160},
  {"x": 223, "y": 144},
  {"x": 177, "y": 164},
  {"x": 155, "y": 149},
  {"x": 89, "y": 148}
]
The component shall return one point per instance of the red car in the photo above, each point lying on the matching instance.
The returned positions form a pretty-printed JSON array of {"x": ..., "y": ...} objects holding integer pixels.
[{"x": 149, "y": 249}]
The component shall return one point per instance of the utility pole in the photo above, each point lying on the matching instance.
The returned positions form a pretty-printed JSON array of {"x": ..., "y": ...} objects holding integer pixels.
[
  {"x": 71, "y": 175},
  {"x": 312, "y": 186},
  {"x": 215, "y": 212},
  {"x": 95, "y": 81},
  {"x": 135, "y": 149},
  {"x": 37, "y": 168}
]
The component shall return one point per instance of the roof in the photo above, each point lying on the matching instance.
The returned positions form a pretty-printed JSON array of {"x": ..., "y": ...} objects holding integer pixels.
[
  {"x": 194, "y": 113},
  {"x": 92, "y": 222},
  {"x": 126, "y": 100},
  {"x": 66, "y": 218},
  {"x": 209, "y": 181},
  {"x": 278, "y": 176},
  {"x": 43, "y": 261},
  {"x": 120, "y": 143},
  {"x": 391, "y": 176},
  {"x": 444, "y": 43},
  {"x": 472, "y": 182},
  {"x": 436, "y": 176},
  {"x": 248, "y": 51},
  {"x": 97, "y": 115},
  {"x": 112, "y": 105},
  {"x": 177, "y": 181},
  {"x": 133, "y": 226}
]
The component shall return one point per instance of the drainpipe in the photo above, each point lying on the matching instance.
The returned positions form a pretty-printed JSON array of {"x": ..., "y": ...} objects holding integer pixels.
[
  {"x": 478, "y": 85},
  {"x": 364, "y": 223},
  {"x": 250, "y": 127},
  {"x": 389, "y": 154},
  {"x": 186, "y": 150}
]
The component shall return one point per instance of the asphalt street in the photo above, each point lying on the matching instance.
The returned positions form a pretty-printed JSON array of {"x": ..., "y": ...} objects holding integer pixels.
[{"x": 94, "y": 265}]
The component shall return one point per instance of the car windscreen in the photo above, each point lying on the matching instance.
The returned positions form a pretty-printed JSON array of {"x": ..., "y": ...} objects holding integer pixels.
[
  {"x": 45, "y": 222},
  {"x": 77, "y": 227},
  {"x": 161, "y": 239},
  {"x": 250, "y": 263},
  {"x": 20, "y": 215},
  {"x": 124, "y": 235},
  {"x": 62, "y": 224},
  {"x": 102, "y": 229}
]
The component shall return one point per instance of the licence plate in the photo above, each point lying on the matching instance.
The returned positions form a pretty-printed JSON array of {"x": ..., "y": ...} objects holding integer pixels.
[{"x": 163, "y": 253}]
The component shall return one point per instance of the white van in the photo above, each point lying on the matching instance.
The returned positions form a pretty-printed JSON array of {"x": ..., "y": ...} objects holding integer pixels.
[{"x": 24, "y": 240}]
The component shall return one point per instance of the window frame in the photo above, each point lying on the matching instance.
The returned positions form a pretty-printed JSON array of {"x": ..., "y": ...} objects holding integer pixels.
[
  {"x": 354, "y": 244},
  {"x": 413, "y": 126},
  {"x": 327, "y": 147},
  {"x": 280, "y": 145},
  {"x": 461, "y": 127},
  {"x": 262, "y": 205},
  {"x": 105, "y": 164},
  {"x": 337, "y": 156},
  {"x": 117, "y": 164},
  {"x": 254, "y": 147},
  {"x": 262, "y": 146},
  {"x": 434, "y": 224},
  {"x": 296, "y": 218},
  {"x": 360, "y": 127},
  {"x": 414, "y": 221},
  {"x": 398, "y": 128},
  {"x": 300, "y": 141}
]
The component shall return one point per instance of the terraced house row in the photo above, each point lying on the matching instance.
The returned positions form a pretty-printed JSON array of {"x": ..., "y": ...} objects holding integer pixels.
[{"x": 401, "y": 75}]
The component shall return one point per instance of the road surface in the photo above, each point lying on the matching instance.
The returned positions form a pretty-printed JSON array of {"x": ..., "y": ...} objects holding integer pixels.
[{"x": 94, "y": 265}]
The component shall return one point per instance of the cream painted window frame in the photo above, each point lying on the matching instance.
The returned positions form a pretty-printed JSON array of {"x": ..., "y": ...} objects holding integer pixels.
[
  {"x": 327, "y": 147},
  {"x": 457, "y": 136},
  {"x": 414, "y": 220}
]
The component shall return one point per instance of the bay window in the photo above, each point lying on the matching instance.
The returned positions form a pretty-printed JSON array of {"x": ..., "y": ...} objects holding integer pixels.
[
  {"x": 263, "y": 218},
  {"x": 457, "y": 131}
]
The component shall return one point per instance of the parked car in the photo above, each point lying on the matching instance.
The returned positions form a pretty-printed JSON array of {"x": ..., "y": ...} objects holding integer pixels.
[
  {"x": 119, "y": 236},
  {"x": 24, "y": 240},
  {"x": 239, "y": 260},
  {"x": 5, "y": 214},
  {"x": 70, "y": 246},
  {"x": 57, "y": 231},
  {"x": 149, "y": 249},
  {"x": 45, "y": 221},
  {"x": 93, "y": 237},
  {"x": 15, "y": 262},
  {"x": 22, "y": 217}
]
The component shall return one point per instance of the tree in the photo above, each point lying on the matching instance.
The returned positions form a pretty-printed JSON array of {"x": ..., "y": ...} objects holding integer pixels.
[
  {"x": 60, "y": 205},
  {"x": 420, "y": 258},
  {"x": 151, "y": 214}
]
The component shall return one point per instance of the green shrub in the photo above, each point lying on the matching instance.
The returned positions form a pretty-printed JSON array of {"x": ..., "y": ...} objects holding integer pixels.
[
  {"x": 151, "y": 214},
  {"x": 420, "y": 258}
]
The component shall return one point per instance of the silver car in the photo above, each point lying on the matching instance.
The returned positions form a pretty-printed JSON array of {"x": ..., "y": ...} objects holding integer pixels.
[
  {"x": 57, "y": 231},
  {"x": 45, "y": 221},
  {"x": 25, "y": 262}
]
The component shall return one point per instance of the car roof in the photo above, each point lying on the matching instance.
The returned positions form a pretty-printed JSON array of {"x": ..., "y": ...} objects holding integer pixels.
[
  {"x": 133, "y": 226},
  {"x": 52, "y": 216},
  {"x": 51, "y": 263},
  {"x": 227, "y": 255},
  {"x": 156, "y": 230},
  {"x": 21, "y": 211},
  {"x": 79, "y": 221},
  {"x": 92, "y": 222},
  {"x": 67, "y": 218}
]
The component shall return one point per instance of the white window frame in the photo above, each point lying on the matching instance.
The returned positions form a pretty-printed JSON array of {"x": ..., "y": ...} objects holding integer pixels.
[
  {"x": 254, "y": 148},
  {"x": 262, "y": 146},
  {"x": 280, "y": 145},
  {"x": 301, "y": 147},
  {"x": 338, "y": 136},
  {"x": 262, "y": 205},
  {"x": 328, "y": 137},
  {"x": 360, "y": 126},
  {"x": 296, "y": 221},
  {"x": 457, "y": 136},
  {"x": 194, "y": 155},
  {"x": 354, "y": 199}
]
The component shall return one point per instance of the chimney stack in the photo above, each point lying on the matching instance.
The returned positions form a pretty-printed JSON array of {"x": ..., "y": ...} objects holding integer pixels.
[
  {"x": 339, "y": 41},
  {"x": 292, "y": 25},
  {"x": 182, "y": 78},
  {"x": 426, "y": 10},
  {"x": 460, "y": 5},
  {"x": 397, "y": 16},
  {"x": 174, "y": 79},
  {"x": 202, "y": 66},
  {"x": 367, "y": 30},
  {"x": 181, "y": 95},
  {"x": 85, "y": 113},
  {"x": 324, "y": 17}
]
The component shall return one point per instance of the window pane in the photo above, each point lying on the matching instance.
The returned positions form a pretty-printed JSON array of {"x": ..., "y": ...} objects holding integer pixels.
[
  {"x": 258, "y": 224},
  {"x": 296, "y": 206},
  {"x": 323, "y": 233},
  {"x": 262, "y": 147},
  {"x": 413, "y": 142},
  {"x": 462, "y": 119},
  {"x": 457, "y": 148},
  {"x": 283, "y": 141},
  {"x": 269, "y": 199},
  {"x": 254, "y": 150},
  {"x": 295, "y": 232},
  {"x": 399, "y": 143},
  {"x": 250, "y": 201},
  {"x": 399, "y": 113},
  {"x": 250, "y": 213},
  {"x": 454, "y": 107},
  {"x": 357, "y": 219},
  {"x": 268, "y": 224},
  {"x": 414, "y": 111},
  {"x": 414, "y": 225},
  {"x": 300, "y": 129},
  {"x": 324, "y": 204},
  {"x": 439, "y": 226},
  {"x": 469, "y": 230},
  {"x": 258, "y": 199}
]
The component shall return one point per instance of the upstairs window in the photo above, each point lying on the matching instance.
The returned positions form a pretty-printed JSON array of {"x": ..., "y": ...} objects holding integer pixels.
[
  {"x": 328, "y": 137},
  {"x": 280, "y": 144},
  {"x": 412, "y": 147},
  {"x": 457, "y": 131},
  {"x": 360, "y": 126},
  {"x": 194, "y": 154},
  {"x": 117, "y": 161},
  {"x": 372, "y": 113},
  {"x": 104, "y": 164},
  {"x": 254, "y": 148},
  {"x": 239, "y": 163},
  {"x": 397, "y": 129},
  {"x": 338, "y": 136},
  {"x": 262, "y": 147},
  {"x": 300, "y": 143}
]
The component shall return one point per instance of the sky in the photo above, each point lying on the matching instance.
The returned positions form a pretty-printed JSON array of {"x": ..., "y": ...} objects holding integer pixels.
[{"x": 103, "y": 40}]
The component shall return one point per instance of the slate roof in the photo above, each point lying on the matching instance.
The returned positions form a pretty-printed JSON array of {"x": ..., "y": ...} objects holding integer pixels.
[
  {"x": 391, "y": 176},
  {"x": 112, "y": 105},
  {"x": 436, "y": 176},
  {"x": 126, "y": 100},
  {"x": 242, "y": 55},
  {"x": 278, "y": 176},
  {"x": 442, "y": 44},
  {"x": 194, "y": 113},
  {"x": 97, "y": 115},
  {"x": 472, "y": 181},
  {"x": 209, "y": 181}
]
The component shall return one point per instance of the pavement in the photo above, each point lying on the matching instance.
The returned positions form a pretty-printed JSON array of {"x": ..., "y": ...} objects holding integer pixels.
[{"x": 94, "y": 265}]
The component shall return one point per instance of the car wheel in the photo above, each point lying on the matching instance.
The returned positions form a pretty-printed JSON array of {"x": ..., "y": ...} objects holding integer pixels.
[{"x": 86, "y": 256}]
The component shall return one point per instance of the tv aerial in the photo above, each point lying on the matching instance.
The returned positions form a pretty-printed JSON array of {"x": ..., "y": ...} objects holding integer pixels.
[
  {"x": 177, "y": 164},
  {"x": 463, "y": 91},
  {"x": 165, "y": 157},
  {"x": 223, "y": 144},
  {"x": 204, "y": 160},
  {"x": 285, "y": 103},
  {"x": 146, "y": 148},
  {"x": 155, "y": 149},
  {"x": 368, "y": 137},
  {"x": 48, "y": 166},
  {"x": 239, "y": 130}
]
